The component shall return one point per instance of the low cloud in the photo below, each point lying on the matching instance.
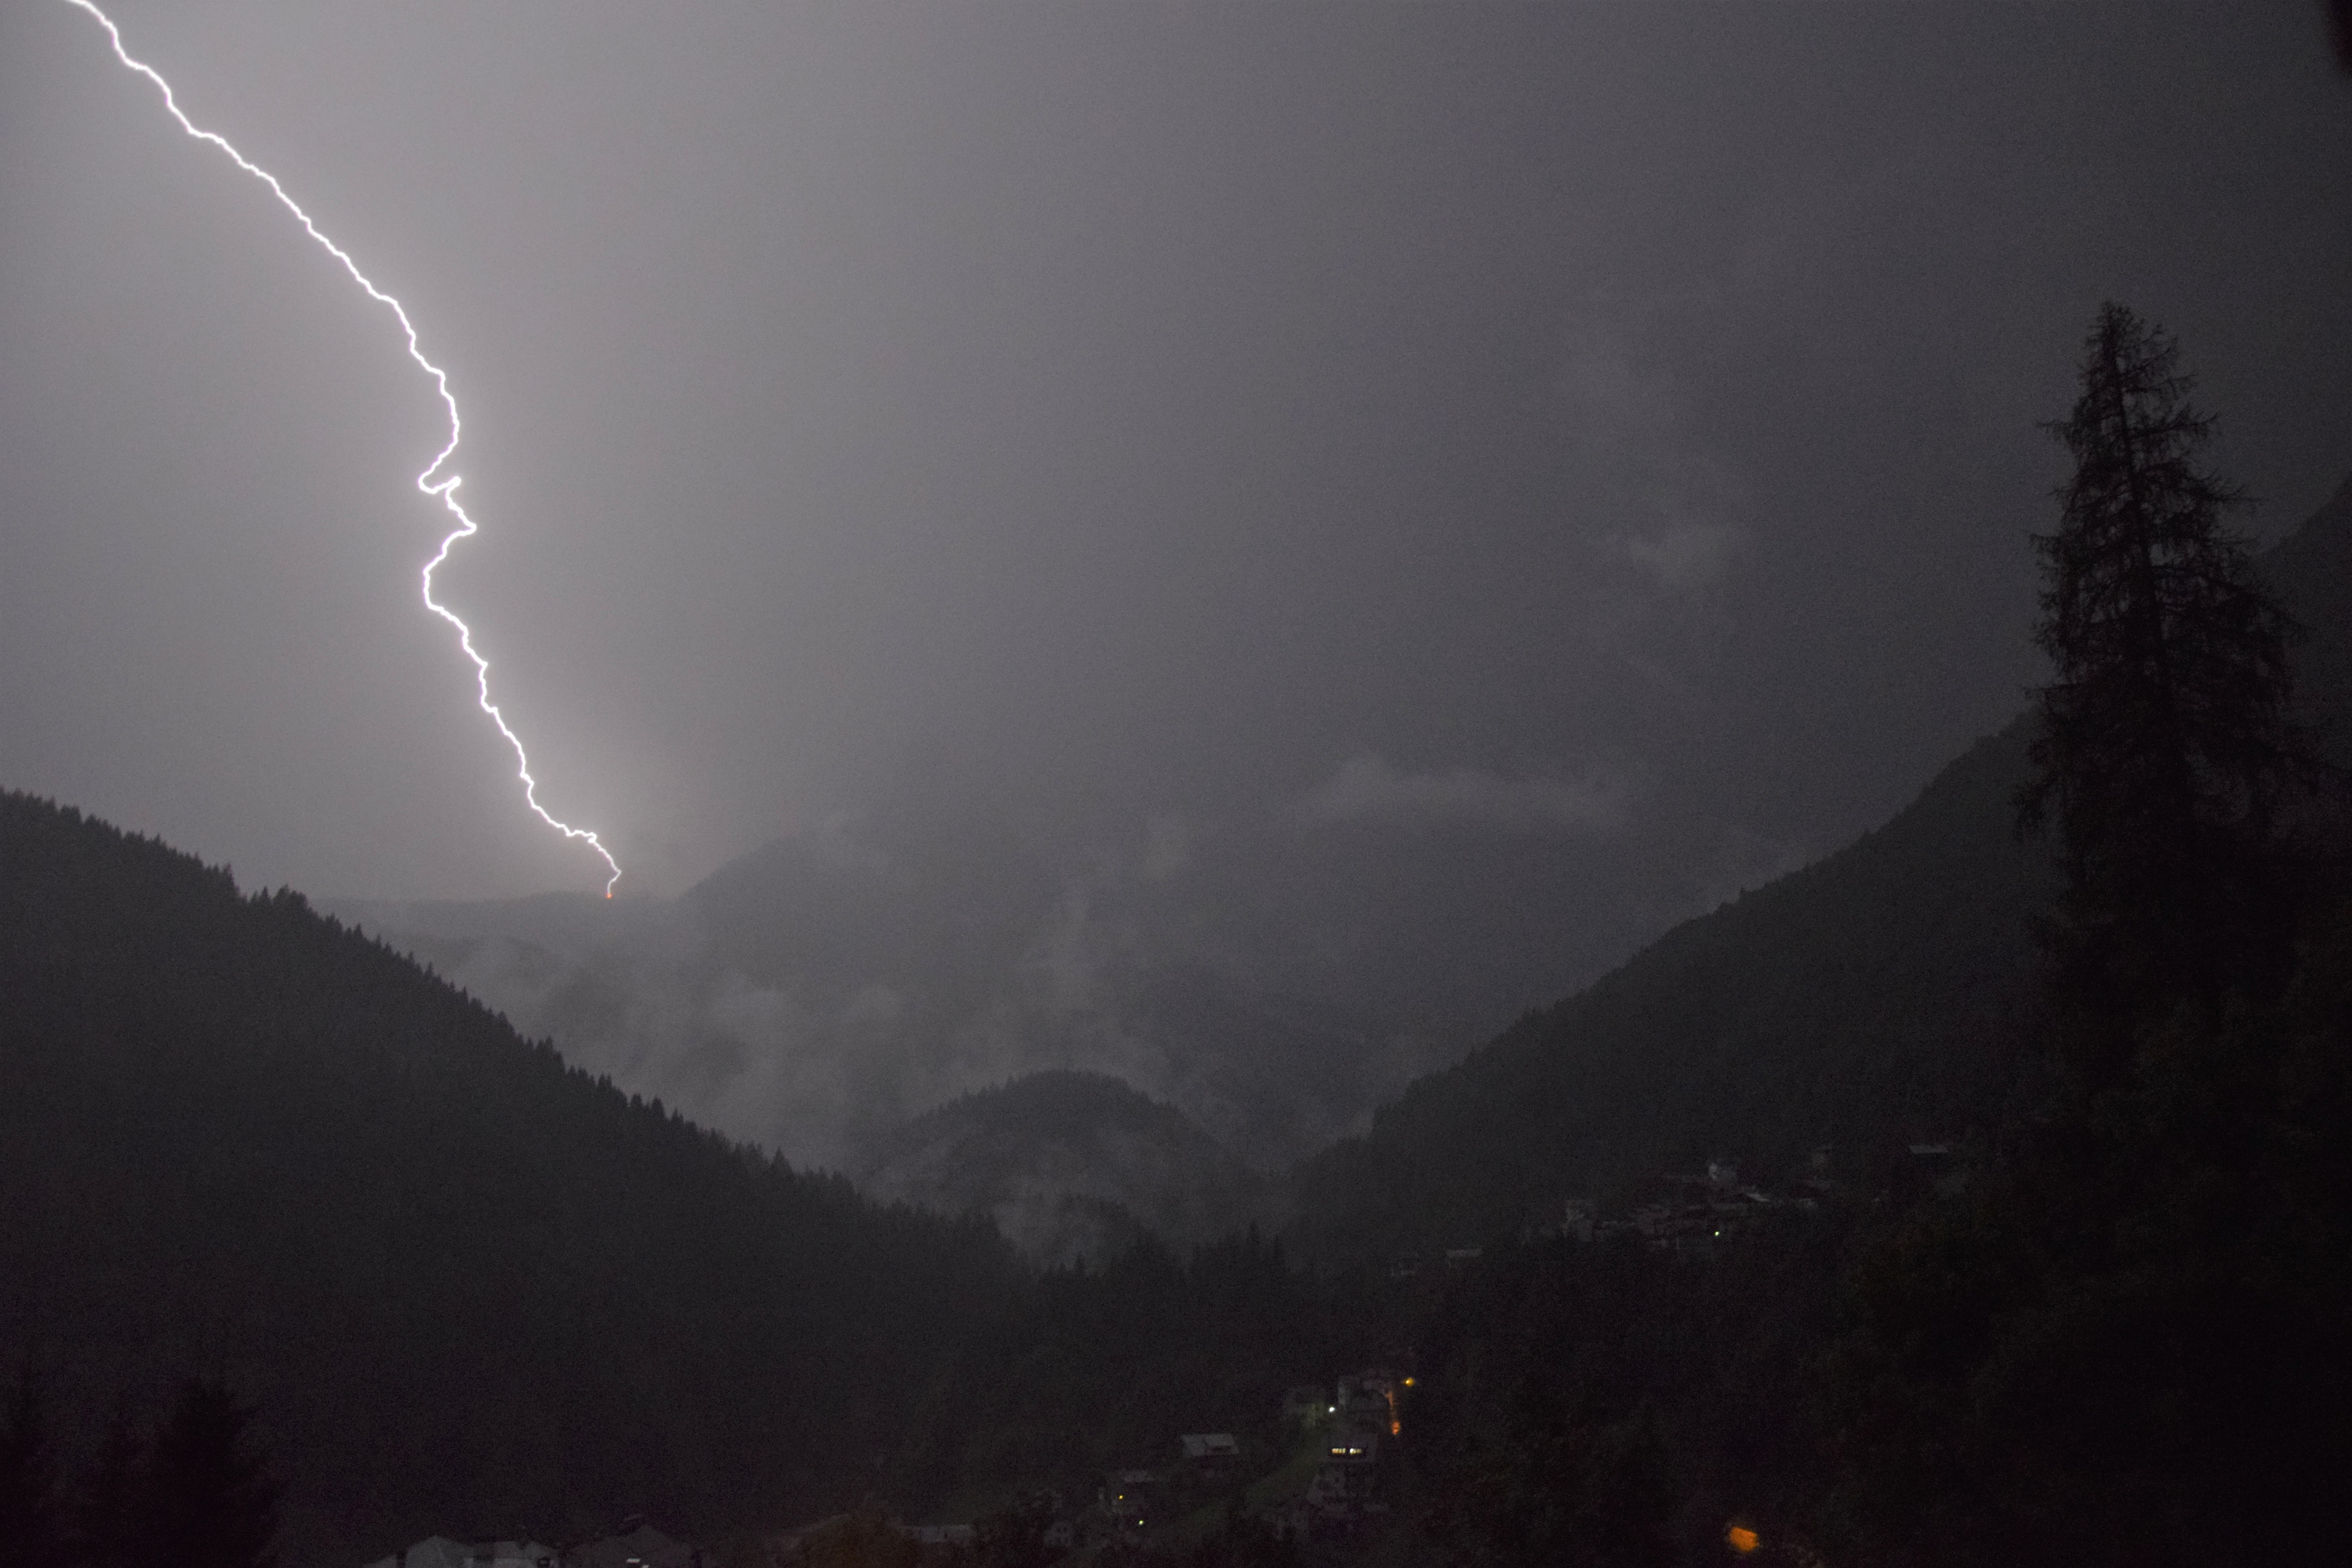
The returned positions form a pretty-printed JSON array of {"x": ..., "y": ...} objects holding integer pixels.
[{"x": 1367, "y": 789}]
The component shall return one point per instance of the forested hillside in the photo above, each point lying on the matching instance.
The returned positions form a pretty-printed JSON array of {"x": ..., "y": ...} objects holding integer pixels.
[
  {"x": 1878, "y": 997},
  {"x": 1874, "y": 996},
  {"x": 475, "y": 1292},
  {"x": 2311, "y": 571},
  {"x": 467, "y": 1285}
]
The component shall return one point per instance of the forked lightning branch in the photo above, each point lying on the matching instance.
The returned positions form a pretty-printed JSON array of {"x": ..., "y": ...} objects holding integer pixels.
[{"x": 438, "y": 481}]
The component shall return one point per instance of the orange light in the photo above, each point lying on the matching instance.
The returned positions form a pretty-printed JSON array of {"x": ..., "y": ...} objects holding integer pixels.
[{"x": 1742, "y": 1539}]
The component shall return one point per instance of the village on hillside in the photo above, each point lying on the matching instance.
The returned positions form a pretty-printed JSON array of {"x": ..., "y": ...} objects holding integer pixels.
[
  {"x": 1324, "y": 1481},
  {"x": 1327, "y": 1484}
]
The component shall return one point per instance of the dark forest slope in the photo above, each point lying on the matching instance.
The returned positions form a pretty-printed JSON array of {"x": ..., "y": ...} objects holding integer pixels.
[
  {"x": 2312, "y": 568},
  {"x": 1871, "y": 997},
  {"x": 472, "y": 1291},
  {"x": 1874, "y": 998}
]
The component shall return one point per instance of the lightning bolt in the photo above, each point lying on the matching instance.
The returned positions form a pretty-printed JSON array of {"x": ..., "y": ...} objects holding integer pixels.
[{"x": 434, "y": 481}]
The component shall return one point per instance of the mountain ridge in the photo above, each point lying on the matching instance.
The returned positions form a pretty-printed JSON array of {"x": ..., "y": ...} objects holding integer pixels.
[
  {"x": 1071, "y": 1166},
  {"x": 236, "y": 1137},
  {"x": 1880, "y": 995}
]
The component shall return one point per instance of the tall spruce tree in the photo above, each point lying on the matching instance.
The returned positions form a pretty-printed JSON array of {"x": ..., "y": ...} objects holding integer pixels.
[
  {"x": 2124, "y": 1343},
  {"x": 2165, "y": 748}
]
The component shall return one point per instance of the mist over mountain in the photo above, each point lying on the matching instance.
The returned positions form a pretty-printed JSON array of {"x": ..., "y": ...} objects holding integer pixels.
[
  {"x": 1272, "y": 979},
  {"x": 230, "y": 1122},
  {"x": 1275, "y": 983},
  {"x": 471, "y": 1285},
  {"x": 1070, "y": 1166},
  {"x": 474, "y": 1291},
  {"x": 1306, "y": 709}
]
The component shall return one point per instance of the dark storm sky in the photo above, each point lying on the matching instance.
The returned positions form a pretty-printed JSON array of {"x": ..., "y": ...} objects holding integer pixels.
[{"x": 1605, "y": 421}]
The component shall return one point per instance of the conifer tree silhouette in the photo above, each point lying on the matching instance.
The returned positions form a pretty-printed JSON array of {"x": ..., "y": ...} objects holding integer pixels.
[{"x": 2166, "y": 749}]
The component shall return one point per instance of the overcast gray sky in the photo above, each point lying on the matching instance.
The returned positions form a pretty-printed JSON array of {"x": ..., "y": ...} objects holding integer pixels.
[{"x": 1604, "y": 422}]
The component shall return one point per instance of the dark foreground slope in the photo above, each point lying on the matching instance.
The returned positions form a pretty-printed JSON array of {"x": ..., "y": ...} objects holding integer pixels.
[
  {"x": 2312, "y": 570},
  {"x": 1873, "y": 999},
  {"x": 472, "y": 1291}
]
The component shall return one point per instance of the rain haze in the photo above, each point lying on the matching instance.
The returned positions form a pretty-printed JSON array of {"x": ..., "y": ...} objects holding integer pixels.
[{"x": 1473, "y": 482}]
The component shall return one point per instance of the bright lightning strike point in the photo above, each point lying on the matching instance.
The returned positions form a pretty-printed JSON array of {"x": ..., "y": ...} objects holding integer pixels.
[{"x": 433, "y": 481}]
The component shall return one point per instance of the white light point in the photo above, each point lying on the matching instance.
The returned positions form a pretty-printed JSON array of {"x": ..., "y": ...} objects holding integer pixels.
[{"x": 433, "y": 481}]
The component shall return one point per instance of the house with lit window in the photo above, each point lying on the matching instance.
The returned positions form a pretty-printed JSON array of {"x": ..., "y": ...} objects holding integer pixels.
[{"x": 1347, "y": 1478}]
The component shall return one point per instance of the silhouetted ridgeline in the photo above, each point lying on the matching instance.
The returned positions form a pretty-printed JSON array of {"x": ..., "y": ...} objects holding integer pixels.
[
  {"x": 473, "y": 1292},
  {"x": 470, "y": 1289},
  {"x": 1877, "y": 997},
  {"x": 2311, "y": 570},
  {"x": 1871, "y": 997}
]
